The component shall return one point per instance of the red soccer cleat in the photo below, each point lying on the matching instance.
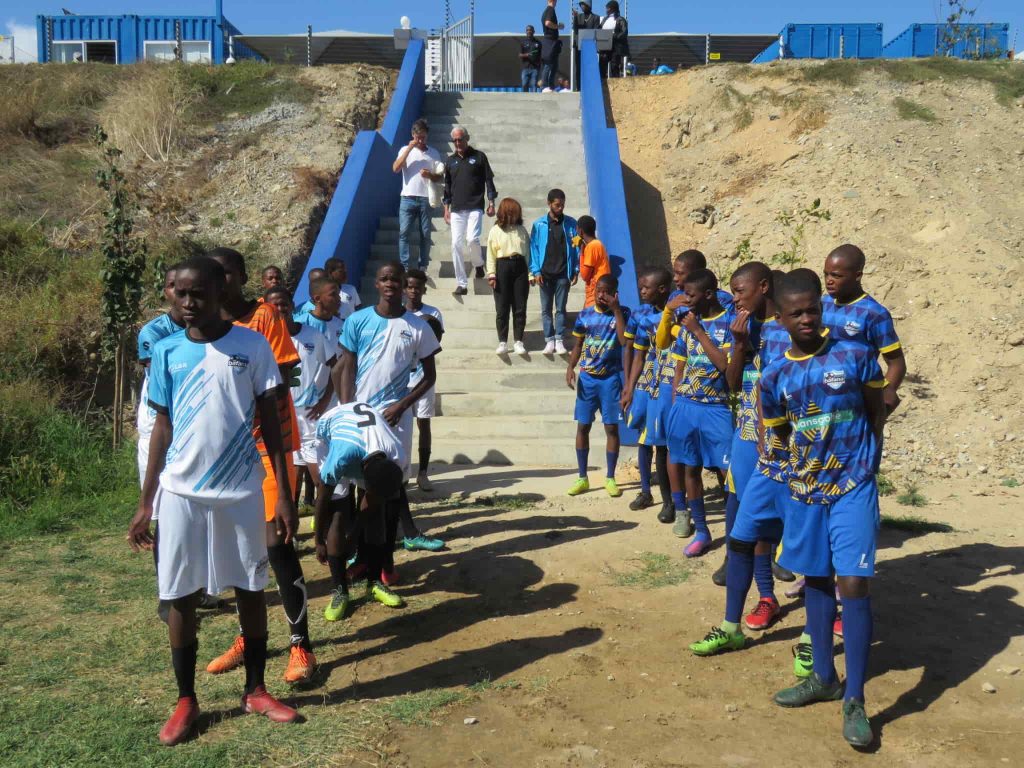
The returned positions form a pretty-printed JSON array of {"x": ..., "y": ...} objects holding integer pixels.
[
  {"x": 764, "y": 614},
  {"x": 389, "y": 578},
  {"x": 837, "y": 626},
  {"x": 180, "y": 724},
  {"x": 356, "y": 572},
  {"x": 262, "y": 703}
]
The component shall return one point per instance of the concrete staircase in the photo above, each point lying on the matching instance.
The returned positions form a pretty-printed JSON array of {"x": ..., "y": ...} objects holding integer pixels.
[{"x": 513, "y": 409}]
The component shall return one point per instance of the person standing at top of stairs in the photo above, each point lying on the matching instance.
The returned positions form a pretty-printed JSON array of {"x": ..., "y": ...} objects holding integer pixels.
[{"x": 467, "y": 178}]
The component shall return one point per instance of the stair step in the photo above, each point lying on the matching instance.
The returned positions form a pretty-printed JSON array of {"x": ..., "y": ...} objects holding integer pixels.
[
  {"x": 500, "y": 451},
  {"x": 505, "y": 404},
  {"x": 495, "y": 380},
  {"x": 453, "y": 362},
  {"x": 482, "y": 427}
]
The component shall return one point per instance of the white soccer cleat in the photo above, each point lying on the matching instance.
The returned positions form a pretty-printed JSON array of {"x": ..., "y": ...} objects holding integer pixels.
[{"x": 502, "y": 349}]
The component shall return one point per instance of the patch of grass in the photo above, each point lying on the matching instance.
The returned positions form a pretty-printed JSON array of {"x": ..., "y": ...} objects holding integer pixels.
[
  {"x": 1010, "y": 482},
  {"x": 911, "y": 110},
  {"x": 885, "y": 486},
  {"x": 914, "y": 524},
  {"x": 834, "y": 71},
  {"x": 216, "y": 222},
  {"x": 1006, "y": 77},
  {"x": 656, "y": 570},
  {"x": 416, "y": 708},
  {"x": 245, "y": 88},
  {"x": 912, "y": 497},
  {"x": 515, "y": 501}
]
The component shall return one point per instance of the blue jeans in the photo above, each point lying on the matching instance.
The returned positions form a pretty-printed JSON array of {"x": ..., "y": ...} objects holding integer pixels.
[
  {"x": 554, "y": 292},
  {"x": 552, "y": 49},
  {"x": 529, "y": 77},
  {"x": 413, "y": 211}
]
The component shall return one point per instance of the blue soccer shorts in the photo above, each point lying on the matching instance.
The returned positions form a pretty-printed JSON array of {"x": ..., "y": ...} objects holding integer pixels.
[
  {"x": 658, "y": 410},
  {"x": 742, "y": 463},
  {"x": 700, "y": 434},
  {"x": 595, "y": 394},
  {"x": 636, "y": 416},
  {"x": 762, "y": 509},
  {"x": 822, "y": 539}
]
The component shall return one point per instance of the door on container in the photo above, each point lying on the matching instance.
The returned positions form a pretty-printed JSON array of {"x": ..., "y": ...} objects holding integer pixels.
[{"x": 101, "y": 51}]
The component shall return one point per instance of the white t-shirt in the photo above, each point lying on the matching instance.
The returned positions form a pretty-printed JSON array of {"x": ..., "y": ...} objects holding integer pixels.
[
  {"x": 155, "y": 330},
  {"x": 314, "y": 349},
  {"x": 346, "y": 435},
  {"x": 414, "y": 185},
  {"x": 609, "y": 22},
  {"x": 209, "y": 390},
  {"x": 424, "y": 311},
  {"x": 387, "y": 349}
]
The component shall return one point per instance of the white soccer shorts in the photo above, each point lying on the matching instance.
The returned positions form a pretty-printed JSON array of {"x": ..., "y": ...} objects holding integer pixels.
[
  {"x": 426, "y": 406},
  {"x": 210, "y": 547}
]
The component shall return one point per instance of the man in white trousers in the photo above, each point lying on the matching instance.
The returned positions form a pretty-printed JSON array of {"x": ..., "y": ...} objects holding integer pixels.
[{"x": 468, "y": 179}]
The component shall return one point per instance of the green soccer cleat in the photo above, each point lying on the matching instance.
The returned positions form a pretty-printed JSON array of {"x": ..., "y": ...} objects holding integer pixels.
[
  {"x": 338, "y": 606},
  {"x": 612, "y": 487},
  {"x": 582, "y": 485},
  {"x": 808, "y": 691},
  {"x": 718, "y": 641},
  {"x": 385, "y": 596},
  {"x": 803, "y": 660},
  {"x": 856, "y": 726},
  {"x": 425, "y": 543}
]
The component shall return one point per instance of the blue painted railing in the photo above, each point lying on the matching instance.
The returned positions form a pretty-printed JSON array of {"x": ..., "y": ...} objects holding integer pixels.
[{"x": 368, "y": 190}]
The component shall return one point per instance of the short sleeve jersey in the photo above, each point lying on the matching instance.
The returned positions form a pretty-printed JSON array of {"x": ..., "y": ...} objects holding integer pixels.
[
  {"x": 267, "y": 321},
  {"x": 863, "y": 320},
  {"x": 643, "y": 327},
  {"x": 349, "y": 301},
  {"x": 209, "y": 391},
  {"x": 701, "y": 381},
  {"x": 668, "y": 368},
  {"x": 156, "y": 329},
  {"x": 387, "y": 350},
  {"x": 425, "y": 311},
  {"x": 346, "y": 435},
  {"x": 767, "y": 341},
  {"x": 833, "y": 448},
  {"x": 602, "y": 353},
  {"x": 331, "y": 329},
  {"x": 315, "y": 351},
  {"x": 594, "y": 258}
]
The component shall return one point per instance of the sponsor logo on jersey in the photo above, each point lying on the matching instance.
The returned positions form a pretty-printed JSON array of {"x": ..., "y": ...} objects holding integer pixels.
[
  {"x": 175, "y": 367},
  {"x": 406, "y": 335},
  {"x": 238, "y": 362},
  {"x": 835, "y": 379},
  {"x": 852, "y": 327},
  {"x": 309, "y": 347}
]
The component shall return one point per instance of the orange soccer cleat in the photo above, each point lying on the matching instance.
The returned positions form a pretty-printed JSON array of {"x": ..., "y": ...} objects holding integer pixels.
[
  {"x": 301, "y": 664},
  {"x": 232, "y": 658}
]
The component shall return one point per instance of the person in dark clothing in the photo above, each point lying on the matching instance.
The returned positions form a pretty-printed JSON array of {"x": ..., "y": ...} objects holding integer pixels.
[
  {"x": 611, "y": 61},
  {"x": 529, "y": 56},
  {"x": 584, "y": 19},
  {"x": 552, "y": 46},
  {"x": 467, "y": 178},
  {"x": 555, "y": 267}
]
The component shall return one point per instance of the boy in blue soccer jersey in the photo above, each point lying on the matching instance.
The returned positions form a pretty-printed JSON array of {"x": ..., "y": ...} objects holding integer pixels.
[
  {"x": 642, "y": 387},
  {"x": 825, "y": 398},
  {"x": 204, "y": 480},
  {"x": 323, "y": 314},
  {"x": 354, "y": 446},
  {"x": 700, "y": 422},
  {"x": 600, "y": 334},
  {"x": 850, "y": 313}
]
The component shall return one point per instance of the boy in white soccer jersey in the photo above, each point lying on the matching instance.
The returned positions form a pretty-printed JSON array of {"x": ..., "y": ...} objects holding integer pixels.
[
  {"x": 325, "y": 300},
  {"x": 204, "y": 479},
  {"x": 381, "y": 346},
  {"x": 348, "y": 297},
  {"x": 355, "y": 445},
  {"x": 415, "y": 288},
  {"x": 312, "y": 392}
]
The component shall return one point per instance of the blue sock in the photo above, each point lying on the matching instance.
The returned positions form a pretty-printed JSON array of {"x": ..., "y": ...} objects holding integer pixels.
[
  {"x": 582, "y": 455},
  {"x": 644, "y": 458},
  {"x": 763, "y": 575},
  {"x": 857, "y": 630},
  {"x": 732, "y": 506},
  {"x": 739, "y": 572},
  {"x": 611, "y": 458},
  {"x": 700, "y": 520},
  {"x": 679, "y": 500},
  {"x": 820, "y": 602}
]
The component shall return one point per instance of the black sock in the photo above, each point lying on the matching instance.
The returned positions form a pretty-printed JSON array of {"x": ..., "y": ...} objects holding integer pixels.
[
  {"x": 661, "y": 462},
  {"x": 255, "y": 656},
  {"x": 409, "y": 529},
  {"x": 291, "y": 585},
  {"x": 184, "y": 662},
  {"x": 339, "y": 575}
]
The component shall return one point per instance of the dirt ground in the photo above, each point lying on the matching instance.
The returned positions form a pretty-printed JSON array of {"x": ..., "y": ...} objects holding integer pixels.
[{"x": 919, "y": 164}]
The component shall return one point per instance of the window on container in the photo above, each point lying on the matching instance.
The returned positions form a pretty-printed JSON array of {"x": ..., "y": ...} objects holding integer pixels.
[
  {"x": 65, "y": 53},
  {"x": 101, "y": 51},
  {"x": 192, "y": 51}
]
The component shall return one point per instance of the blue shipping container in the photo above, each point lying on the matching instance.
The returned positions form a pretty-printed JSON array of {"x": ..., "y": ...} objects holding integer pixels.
[
  {"x": 825, "y": 41},
  {"x": 965, "y": 41}
]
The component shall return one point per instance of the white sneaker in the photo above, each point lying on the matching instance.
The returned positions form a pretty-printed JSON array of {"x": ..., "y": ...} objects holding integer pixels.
[
  {"x": 559, "y": 347},
  {"x": 502, "y": 349},
  {"x": 519, "y": 348},
  {"x": 549, "y": 348}
]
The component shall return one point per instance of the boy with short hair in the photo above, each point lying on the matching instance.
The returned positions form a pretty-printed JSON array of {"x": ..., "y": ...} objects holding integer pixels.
[
  {"x": 600, "y": 333},
  {"x": 337, "y": 271},
  {"x": 271, "y": 277},
  {"x": 700, "y": 425},
  {"x": 642, "y": 388},
  {"x": 825, "y": 398},
  {"x": 554, "y": 266},
  {"x": 204, "y": 480},
  {"x": 323, "y": 316},
  {"x": 425, "y": 408},
  {"x": 594, "y": 262},
  {"x": 284, "y": 560}
]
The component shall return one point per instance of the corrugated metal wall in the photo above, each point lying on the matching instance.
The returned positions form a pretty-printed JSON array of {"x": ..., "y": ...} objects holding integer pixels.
[{"x": 964, "y": 41}]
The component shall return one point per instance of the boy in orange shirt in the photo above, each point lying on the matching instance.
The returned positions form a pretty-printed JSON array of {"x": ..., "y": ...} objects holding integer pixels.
[{"x": 594, "y": 262}]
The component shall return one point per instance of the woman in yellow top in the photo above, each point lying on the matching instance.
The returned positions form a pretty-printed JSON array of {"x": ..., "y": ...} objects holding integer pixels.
[{"x": 508, "y": 273}]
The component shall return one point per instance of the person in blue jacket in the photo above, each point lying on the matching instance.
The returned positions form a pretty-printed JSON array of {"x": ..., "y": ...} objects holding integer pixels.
[
  {"x": 661, "y": 69},
  {"x": 555, "y": 267}
]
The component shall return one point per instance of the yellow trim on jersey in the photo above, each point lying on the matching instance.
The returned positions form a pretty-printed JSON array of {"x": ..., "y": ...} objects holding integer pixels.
[
  {"x": 878, "y": 384},
  {"x": 730, "y": 484},
  {"x": 637, "y": 347},
  {"x": 775, "y": 422},
  {"x": 629, "y": 335},
  {"x": 850, "y": 303},
  {"x": 797, "y": 359},
  {"x": 675, "y": 331},
  {"x": 681, "y": 358},
  {"x": 890, "y": 348},
  {"x": 715, "y": 317},
  {"x": 578, "y": 335}
]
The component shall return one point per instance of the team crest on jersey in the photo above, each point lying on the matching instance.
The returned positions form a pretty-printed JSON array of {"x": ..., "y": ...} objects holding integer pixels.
[
  {"x": 720, "y": 335},
  {"x": 472, "y": 161},
  {"x": 835, "y": 379},
  {"x": 852, "y": 328},
  {"x": 406, "y": 335},
  {"x": 238, "y": 362},
  {"x": 309, "y": 347}
]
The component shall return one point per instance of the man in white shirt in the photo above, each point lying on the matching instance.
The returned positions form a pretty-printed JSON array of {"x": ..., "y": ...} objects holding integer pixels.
[{"x": 417, "y": 163}]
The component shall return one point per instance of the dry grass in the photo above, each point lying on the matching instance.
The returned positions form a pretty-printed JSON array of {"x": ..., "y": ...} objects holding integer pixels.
[
  {"x": 312, "y": 182},
  {"x": 811, "y": 117}
]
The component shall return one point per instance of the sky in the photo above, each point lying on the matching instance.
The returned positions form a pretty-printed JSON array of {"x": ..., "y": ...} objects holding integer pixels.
[{"x": 17, "y": 17}]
